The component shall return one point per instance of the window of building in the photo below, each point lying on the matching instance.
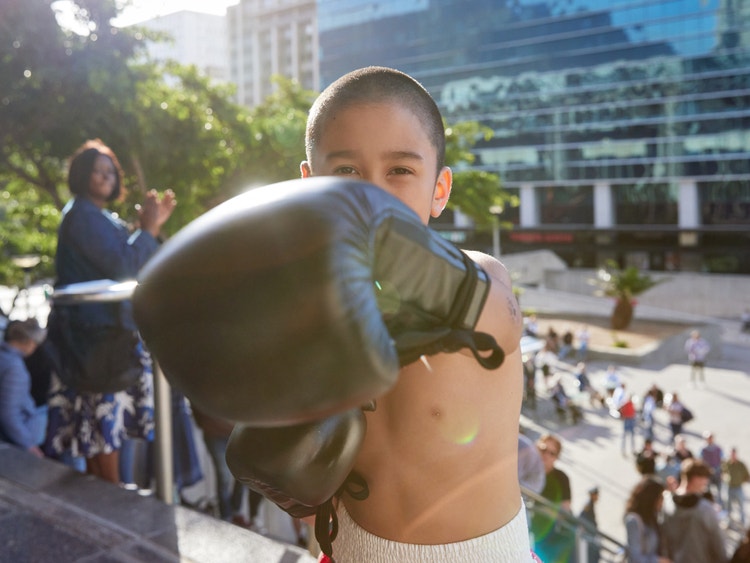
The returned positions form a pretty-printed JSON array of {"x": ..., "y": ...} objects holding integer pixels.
[
  {"x": 566, "y": 205},
  {"x": 645, "y": 204},
  {"x": 725, "y": 203}
]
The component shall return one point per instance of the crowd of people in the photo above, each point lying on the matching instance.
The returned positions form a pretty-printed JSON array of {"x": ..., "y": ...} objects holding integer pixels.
[
  {"x": 673, "y": 517},
  {"x": 680, "y": 508}
]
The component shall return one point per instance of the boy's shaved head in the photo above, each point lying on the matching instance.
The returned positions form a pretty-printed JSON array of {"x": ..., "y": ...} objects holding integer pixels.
[{"x": 376, "y": 85}]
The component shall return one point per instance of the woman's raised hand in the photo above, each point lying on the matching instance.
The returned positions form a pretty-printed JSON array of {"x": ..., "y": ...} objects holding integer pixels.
[{"x": 155, "y": 210}]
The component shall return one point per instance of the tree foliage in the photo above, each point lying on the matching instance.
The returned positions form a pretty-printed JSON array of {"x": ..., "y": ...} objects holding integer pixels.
[{"x": 170, "y": 127}]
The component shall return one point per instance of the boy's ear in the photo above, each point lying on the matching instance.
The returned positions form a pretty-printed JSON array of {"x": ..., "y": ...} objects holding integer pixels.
[
  {"x": 305, "y": 170},
  {"x": 442, "y": 191}
]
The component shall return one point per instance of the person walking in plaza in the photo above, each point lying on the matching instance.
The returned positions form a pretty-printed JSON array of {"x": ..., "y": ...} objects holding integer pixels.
[
  {"x": 585, "y": 386},
  {"x": 22, "y": 423},
  {"x": 644, "y": 538},
  {"x": 531, "y": 326},
  {"x": 697, "y": 348},
  {"x": 645, "y": 461},
  {"x": 94, "y": 244},
  {"x": 647, "y": 414},
  {"x": 553, "y": 341},
  {"x": 584, "y": 337},
  {"x": 588, "y": 514},
  {"x": 611, "y": 379},
  {"x": 628, "y": 414},
  {"x": 679, "y": 453},
  {"x": 553, "y": 542},
  {"x": 675, "y": 411},
  {"x": 713, "y": 456},
  {"x": 736, "y": 474},
  {"x": 545, "y": 361},
  {"x": 567, "y": 343},
  {"x": 529, "y": 380},
  {"x": 691, "y": 522}
]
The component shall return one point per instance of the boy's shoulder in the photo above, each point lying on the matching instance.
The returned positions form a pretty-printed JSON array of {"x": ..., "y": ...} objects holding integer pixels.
[{"x": 491, "y": 265}]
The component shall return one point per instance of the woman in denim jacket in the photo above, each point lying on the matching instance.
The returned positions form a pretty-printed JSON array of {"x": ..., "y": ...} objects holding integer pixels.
[{"x": 94, "y": 244}]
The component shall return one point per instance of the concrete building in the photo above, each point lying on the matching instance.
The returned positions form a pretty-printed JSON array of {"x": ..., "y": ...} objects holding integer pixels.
[
  {"x": 622, "y": 126},
  {"x": 268, "y": 38},
  {"x": 197, "y": 39}
]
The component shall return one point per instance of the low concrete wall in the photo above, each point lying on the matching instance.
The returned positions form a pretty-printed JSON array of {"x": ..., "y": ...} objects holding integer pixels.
[
  {"x": 530, "y": 268},
  {"x": 714, "y": 295},
  {"x": 669, "y": 350}
]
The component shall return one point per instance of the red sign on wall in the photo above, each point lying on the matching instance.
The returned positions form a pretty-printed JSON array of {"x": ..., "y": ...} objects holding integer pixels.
[{"x": 537, "y": 238}]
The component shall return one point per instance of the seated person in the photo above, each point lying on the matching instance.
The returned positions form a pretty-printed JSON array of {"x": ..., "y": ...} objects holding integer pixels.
[{"x": 21, "y": 422}]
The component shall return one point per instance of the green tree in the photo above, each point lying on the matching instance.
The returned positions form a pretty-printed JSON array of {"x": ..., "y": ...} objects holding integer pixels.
[
  {"x": 624, "y": 285},
  {"x": 188, "y": 136},
  {"x": 26, "y": 221},
  {"x": 277, "y": 140},
  {"x": 60, "y": 88},
  {"x": 169, "y": 126}
]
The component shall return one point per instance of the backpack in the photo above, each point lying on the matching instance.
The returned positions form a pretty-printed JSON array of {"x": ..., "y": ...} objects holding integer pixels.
[{"x": 686, "y": 415}]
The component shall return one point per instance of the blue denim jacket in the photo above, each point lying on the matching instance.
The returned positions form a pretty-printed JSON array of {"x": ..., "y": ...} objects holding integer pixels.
[
  {"x": 17, "y": 408},
  {"x": 93, "y": 244}
]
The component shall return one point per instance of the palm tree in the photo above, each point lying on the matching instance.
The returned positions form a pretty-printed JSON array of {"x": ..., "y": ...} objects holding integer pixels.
[{"x": 623, "y": 285}]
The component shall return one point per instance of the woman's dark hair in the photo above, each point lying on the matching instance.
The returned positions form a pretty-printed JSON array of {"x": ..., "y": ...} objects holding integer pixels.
[
  {"x": 643, "y": 500},
  {"x": 82, "y": 165}
]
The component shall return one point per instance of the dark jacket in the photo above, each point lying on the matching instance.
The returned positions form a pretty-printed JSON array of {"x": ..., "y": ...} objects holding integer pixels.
[{"x": 93, "y": 244}]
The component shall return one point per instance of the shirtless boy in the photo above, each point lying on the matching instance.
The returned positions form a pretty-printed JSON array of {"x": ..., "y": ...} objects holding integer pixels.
[
  {"x": 439, "y": 456},
  {"x": 322, "y": 294}
]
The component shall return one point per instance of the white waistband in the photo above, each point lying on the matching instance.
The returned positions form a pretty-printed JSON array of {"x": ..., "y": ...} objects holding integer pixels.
[{"x": 509, "y": 544}]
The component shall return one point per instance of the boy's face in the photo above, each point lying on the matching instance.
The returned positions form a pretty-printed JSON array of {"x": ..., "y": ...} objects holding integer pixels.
[{"x": 386, "y": 145}]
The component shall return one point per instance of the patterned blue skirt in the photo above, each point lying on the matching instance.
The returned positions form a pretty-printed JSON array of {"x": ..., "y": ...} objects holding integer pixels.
[{"x": 87, "y": 424}]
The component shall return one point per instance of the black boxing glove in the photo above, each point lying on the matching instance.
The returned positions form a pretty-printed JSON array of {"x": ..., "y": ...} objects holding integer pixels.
[
  {"x": 302, "y": 467},
  {"x": 267, "y": 309}
]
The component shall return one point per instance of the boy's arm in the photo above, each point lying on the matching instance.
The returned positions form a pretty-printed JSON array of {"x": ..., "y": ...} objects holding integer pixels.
[{"x": 501, "y": 316}]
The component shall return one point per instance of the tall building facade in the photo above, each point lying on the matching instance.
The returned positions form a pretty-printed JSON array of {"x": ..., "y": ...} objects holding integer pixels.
[
  {"x": 621, "y": 125},
  {"x": 271, "y": 37},
  {"x": 196, "y": 39}
]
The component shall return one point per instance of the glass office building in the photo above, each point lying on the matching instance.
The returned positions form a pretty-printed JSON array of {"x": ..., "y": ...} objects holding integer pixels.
[{"x": 623, "y": 126}]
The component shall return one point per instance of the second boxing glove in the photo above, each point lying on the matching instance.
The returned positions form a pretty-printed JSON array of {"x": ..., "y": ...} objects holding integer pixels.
[{"x": 301, "y": 467}]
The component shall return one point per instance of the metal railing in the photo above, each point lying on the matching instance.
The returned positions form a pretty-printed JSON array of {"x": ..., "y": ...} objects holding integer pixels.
[{"x": 610, "y": 550}]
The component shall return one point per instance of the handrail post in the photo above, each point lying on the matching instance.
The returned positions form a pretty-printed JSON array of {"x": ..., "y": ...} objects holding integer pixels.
[{"x": 163, "y": 436}]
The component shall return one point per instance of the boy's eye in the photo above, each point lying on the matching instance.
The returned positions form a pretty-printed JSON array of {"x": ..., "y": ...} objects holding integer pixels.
[
  {"x": 344, "y": 170},
  {"x": 400, "y": 171}
]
